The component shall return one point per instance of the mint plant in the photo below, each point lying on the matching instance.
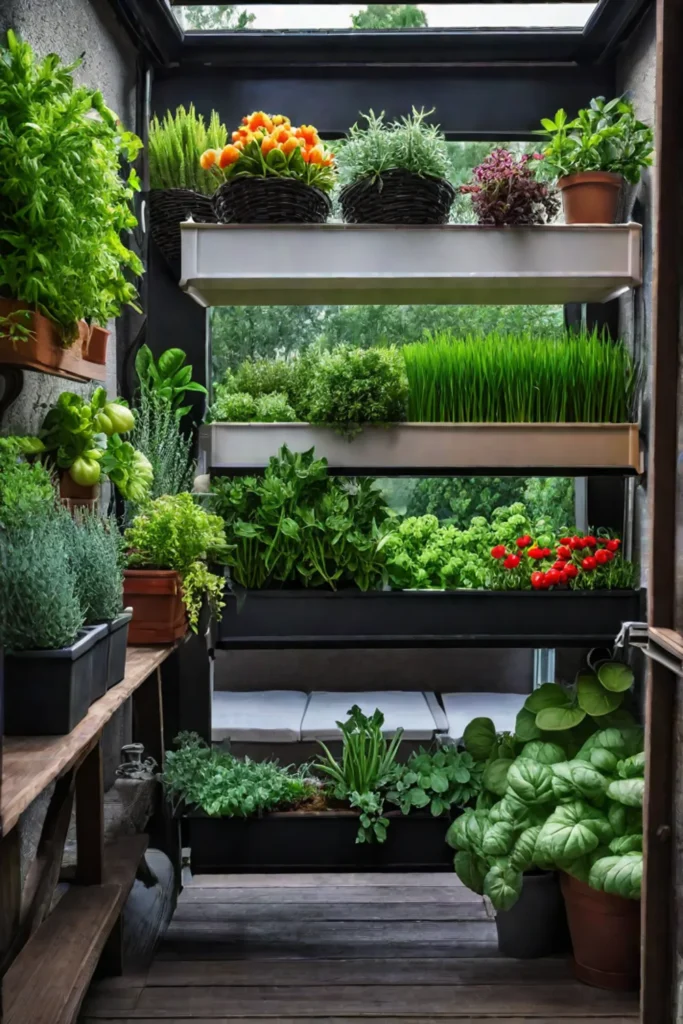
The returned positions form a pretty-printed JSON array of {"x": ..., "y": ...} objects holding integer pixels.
[{"x": 440, "y": 780}]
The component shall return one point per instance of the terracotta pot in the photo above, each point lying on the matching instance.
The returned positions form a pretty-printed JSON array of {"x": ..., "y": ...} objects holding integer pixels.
[
  {"x": 159, "y": 615},
  {"x": 605, "y": 932},
  {"x": 96, "y": 351},
  {"x": 45, "y": 350},
  {"x": 74, "y": 496},
  {"x": 591, "y": 197}
]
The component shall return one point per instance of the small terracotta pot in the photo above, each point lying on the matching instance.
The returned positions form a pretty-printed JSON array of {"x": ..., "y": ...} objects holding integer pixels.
[
  {"x": 74, "y": 496},
  {"x": 605, "y": 932},
  {"x": 96, "y": 351},
  {"x": 159, "y": 615},
  {"x": 591, "y": 197}
]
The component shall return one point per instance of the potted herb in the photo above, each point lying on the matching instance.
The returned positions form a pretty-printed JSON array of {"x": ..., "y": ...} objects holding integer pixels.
[
  {"x": 98, "y": 561},
  {"x": 506, "y": 191},
  {"x": 167, "y": 580},
  {"x": 70, "y": 266},
  {"x": 84, "y": 440},
  {"x": 593, "y": 154},
  {"x": 50, "y": 654},
  {"x": 556, "y": 804},
  {"x": 395, "y": 173},
  {"x": 272, "y": 173},
  {"x": 180, "y": 188}
]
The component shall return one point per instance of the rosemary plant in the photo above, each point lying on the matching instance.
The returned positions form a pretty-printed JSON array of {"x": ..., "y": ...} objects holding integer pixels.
[{"x": 176, "y": 144}]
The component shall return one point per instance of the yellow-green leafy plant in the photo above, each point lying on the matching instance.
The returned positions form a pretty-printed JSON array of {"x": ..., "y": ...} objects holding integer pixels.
[{"x": 174, "y": 532}]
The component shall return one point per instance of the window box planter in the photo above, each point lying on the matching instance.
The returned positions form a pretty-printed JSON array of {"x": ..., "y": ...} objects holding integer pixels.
[
  {"x": 45, "y": 352},
  {"x": 315, "y": 841},
  {"x": 47, "y": 693},
  {"x": 257, "y": 619},
  {"x": 562, "y": 449},
  {"x": 100, "y": 665},
  {"x": 155, "y": 597},
  {"x": 338, "y": 264},
  {"x": 116, "y": 645}
]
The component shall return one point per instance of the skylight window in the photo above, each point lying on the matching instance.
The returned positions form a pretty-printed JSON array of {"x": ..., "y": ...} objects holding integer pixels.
[{"x": 408, "y": 17}]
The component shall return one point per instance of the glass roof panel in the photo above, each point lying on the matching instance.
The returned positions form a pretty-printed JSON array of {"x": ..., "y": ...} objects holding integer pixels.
[{"x": 333, "y": 16}]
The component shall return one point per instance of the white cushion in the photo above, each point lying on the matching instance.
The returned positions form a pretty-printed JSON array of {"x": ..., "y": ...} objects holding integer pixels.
[
  {"x": 268, "y": 716},
  {"x": 501, "y": 708},
  {"x": 407, "y": 710}
]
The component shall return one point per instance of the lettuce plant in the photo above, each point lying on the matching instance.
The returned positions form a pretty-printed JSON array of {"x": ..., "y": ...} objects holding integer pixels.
[{"x": 542, "y": 808}]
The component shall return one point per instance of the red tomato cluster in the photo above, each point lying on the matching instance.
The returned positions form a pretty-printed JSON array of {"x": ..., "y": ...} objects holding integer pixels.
[{"x": 573, "y": 555}]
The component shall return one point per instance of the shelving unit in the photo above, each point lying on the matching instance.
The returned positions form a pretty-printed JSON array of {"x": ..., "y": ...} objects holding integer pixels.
[
  {"x": 432, "y": 449},
  {"x": 357, "y": 264}
]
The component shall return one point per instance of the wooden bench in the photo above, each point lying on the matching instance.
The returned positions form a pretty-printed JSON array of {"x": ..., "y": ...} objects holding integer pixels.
[{"x": 48, "y": 957}]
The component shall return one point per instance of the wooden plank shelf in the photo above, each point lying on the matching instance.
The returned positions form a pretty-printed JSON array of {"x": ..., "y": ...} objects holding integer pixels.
[
  {"x": 359, "y": 264},
  {"x": 48, "y": 980},
  {"x": 31, "y": 763},
  {"x": 431, "y": 449},
  {"x": 666, "y": 647}
]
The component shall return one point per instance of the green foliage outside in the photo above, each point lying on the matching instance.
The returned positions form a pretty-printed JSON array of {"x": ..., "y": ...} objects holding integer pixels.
[
  {"x": 266, "y": 332},
  {"x": 221, "y": 18},
  {"x": 389, "y": 16}
]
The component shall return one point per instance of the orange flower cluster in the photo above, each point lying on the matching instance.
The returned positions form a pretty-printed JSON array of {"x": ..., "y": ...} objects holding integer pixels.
[{"x": 269, "y": 134}]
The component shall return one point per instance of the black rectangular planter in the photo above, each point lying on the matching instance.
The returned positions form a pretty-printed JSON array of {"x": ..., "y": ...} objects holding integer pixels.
[
  {"x": 100, "y": 659},
  {"x": 291, "y": 841},
  {"x": 47, "y": 693},
  {"x": 260, "y": 619},
  {"x": 117, "y": 644}
]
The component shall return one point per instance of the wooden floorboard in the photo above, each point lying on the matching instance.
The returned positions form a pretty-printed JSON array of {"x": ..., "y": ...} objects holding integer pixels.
[{"x": 333, "y": 949}]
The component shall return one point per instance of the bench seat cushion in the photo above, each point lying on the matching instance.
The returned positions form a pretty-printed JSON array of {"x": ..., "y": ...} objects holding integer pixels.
[
  {"x": 266, "y": 716},
  {"x": 501, "y": 708},
  {"x": 407, "y": 709}
]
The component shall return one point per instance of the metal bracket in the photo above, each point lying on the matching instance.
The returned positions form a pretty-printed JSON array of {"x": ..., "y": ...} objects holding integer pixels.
[{"x": 632, "y": 634}]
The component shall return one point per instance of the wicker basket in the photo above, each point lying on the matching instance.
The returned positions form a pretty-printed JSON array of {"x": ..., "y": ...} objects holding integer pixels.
[
  {"x": 270, "y": 201},
  {"x": 397, "y": 197},
  {"x": 168, "y": 207}
]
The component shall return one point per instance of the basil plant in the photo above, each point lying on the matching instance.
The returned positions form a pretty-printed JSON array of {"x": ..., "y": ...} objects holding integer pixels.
[{"x": 544, "y": 807}]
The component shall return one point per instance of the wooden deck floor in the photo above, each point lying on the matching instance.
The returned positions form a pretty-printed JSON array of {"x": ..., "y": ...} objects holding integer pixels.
[{"x": 339, "y": 948}]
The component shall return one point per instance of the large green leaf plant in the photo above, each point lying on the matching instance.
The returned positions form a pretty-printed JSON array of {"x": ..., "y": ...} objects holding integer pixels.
[
  {"x": 63, "y": 203},
  {"x": 545, "y": 808}
]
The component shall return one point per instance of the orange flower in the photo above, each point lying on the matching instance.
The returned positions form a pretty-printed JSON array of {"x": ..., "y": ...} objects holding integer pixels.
[
  {"x": 245, "y": 120},
  {"x": 280, "y": 119},
  {"x": 281, "y": 134},
  {"x": 290, "y": 145},
  {"x": 267, "y": 145},
  {"x": 239, "y": 145},
  {"x": 315, "y": 155},
  {"x": 329, "y": 160},
  {"x": 309, "y": 133},
  {"x": 229, "y": 155},
  {"x": 208, "y": 159},
  {"x": 260, "y": 120}
]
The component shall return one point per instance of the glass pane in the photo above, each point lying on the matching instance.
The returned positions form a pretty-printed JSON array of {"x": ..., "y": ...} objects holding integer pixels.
[{"x": 330, "y": 17}]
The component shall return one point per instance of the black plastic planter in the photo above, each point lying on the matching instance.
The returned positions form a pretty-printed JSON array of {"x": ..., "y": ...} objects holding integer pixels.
[
  {"x": 117, "y": 643},
  {"x": 326, "y": 841},
  {"x": 47, "y": 693},
  {"x": 260, "y": 619},
  {"x": 537, "y": 924},
  {"x": 100, "y": 665}
]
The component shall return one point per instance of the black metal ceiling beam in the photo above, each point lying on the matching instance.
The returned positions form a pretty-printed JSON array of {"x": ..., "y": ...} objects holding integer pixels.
[
  {"x": 487, "y": 102},
  {"x": 153, "y": 28},
  {"x": 609, "y": 25}
]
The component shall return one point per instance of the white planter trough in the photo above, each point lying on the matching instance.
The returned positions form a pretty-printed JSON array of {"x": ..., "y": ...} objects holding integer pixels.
[
  {"x": 330, "y": 264},
  {"x": 430, "y": 449}
]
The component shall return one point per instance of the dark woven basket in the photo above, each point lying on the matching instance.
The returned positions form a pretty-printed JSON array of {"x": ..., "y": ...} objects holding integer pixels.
[
  {"x": 270, "y": 201},
  {"x": 397, "y": 197},
  {"x": 168, "y": 208}
]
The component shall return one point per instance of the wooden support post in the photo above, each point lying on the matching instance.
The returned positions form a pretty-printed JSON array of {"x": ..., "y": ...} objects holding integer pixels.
[
  {"x": 659, "y": 891},
  {"x": 43, "y": 873},
  {"x": 90, "y": 819},
  {"x": 10, "y": 896}
]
